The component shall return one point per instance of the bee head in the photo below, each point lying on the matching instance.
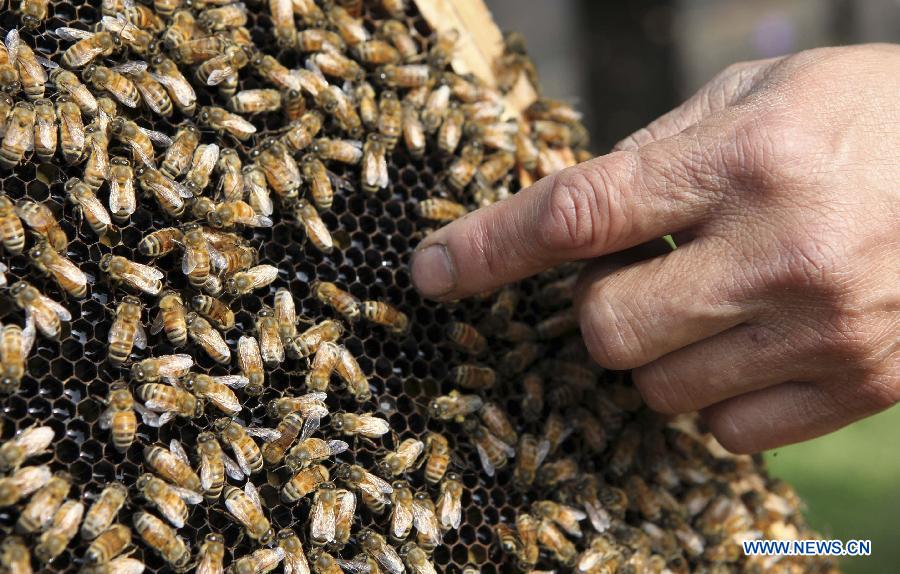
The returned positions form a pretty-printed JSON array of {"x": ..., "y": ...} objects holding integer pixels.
[{"x": 8, "y": 385}]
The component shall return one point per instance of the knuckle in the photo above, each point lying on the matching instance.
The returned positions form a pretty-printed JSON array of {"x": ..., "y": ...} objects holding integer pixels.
[
  {"x": 731, "y": 431},
  {"x": 484, "y": 247},
  {"x": 608, "y": 333},
  {"x": 662, "y": 392},
  {"x": 879, "y": 392}
]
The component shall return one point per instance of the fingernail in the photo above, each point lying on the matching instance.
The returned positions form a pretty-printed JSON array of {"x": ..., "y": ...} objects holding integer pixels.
[{"x": 432, "y": 271}]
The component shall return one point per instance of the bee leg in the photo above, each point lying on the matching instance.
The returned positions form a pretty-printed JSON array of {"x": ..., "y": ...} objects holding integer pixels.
[{"x": 367, "y": 441}]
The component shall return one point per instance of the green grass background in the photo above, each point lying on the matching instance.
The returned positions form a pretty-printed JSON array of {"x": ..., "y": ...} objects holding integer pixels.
[{"x": 850, "y": 481}]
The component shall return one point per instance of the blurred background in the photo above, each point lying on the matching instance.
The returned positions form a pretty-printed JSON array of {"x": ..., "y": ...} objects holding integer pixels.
[{"x": 625, "y": 63}]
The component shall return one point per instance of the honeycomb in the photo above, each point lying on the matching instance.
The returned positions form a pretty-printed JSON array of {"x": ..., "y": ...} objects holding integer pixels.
[{"x": 67, "y": 380}]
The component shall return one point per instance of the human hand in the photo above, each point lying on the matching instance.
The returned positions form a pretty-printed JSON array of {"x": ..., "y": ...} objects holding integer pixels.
[{"x": 778, "y": 313}]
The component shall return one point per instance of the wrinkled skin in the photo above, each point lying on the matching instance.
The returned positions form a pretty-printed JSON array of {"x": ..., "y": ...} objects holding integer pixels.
[{"x": 777, "y": 316}]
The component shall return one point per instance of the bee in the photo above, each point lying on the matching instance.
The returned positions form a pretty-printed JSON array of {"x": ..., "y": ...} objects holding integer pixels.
[
  {"x": 254, "y": 278},
  {"x": 199, "y": 49},
  {"x": 335, "y": 102},
  {"x": 120, "y": 417},
  {"x": 259, "y": 562},
  {"x": 455, "y": 406},
  {"x": 267, "y": 330},
  {"x": 360, "y": 479},
  {"x": 436, "y": 108},
  {"x": 112, "y": 81},
  {"x": 473, "y": 377},
  {"x": 246, "y": 452},
  {"x": 45, "y": 134},
  {"x": 403, "y": 459},
  {"x": 451, "y": 130},
  {"x": 134, "y": 275},
  {"x": 139, "y": 140},
  {"x": 217, "y": 390},
  {"x": 313, "y": 450},
  {"x": 196, "y": 261},
  {"x": 223, "y": 121},
  {"x": 426, "y": 522},
  {"x": 120, "y": 565},
  {"x": 303, "y": 482},
  {"x": 47, "y": 313},
  {"x": 556, "y": 430},
  {"x": 344, "y": 517},
  {"x": 345, "y": 151},
  {"x": 231, "y": 178},
  {"x": 97, "y": 168},
  {"x": 566, "y": 517},
  {"x": 15, "y": 345},
  {"x": 301, "y": 132},
  {"x": 439, "y": 209},
  {"x": 230, "y": 213},
  {"x": 497, "y": 422},
  {"x": 214, "y": 310},
  {"x": 374, "y": 164},
  {"x": 253, "y": 181},
  {"x": 182, "y": 25},
  {"x": 19, "y": 136},
  {"x": 374, "y": 545},
  {"x": 108, "y": 545},
  {"x": 315, "y": 228},
  {"x": 178, "y": 156},
  {"x": 492, "y": 451},
  {"x": 519, "y": 358},
  {"x": 386, "y": 315},
  {"x": 15, "y": 556},
  {"x": 366, "y": 425},
  {"x": 32, "y": 75},
  {"x": 340, "y": 300},
  {"x": 224, "y": 17},
  {"x": 22, "y": 483},
  {"x": 310, "y": 405},
  {"x": 87, "y": 203},
  {"x": 530, "y": 455},
  {"x": 494, "y": 168},
  {"x": 169, "y": 500},
  {"x": 208, "y": 338},
  {"x": 467, "y": 338},
  {"x": 281, "y": 170},
  {"x": 463, "y": 169},
  {"x": 202, "y": 164},
  {"x": 211, "y": 555},
  {"x": 251, "y": 364},
  {"x": 169, "y": 401},
  {"x": 285, "y": 314},
  {"x": 161, "y": 242},
  {"x": 39, "y": 511},
  {"x": 153, "y": 93},
  {"x": 271, "y": 70},
  {"x": 551, "y": 538},
  {"x": 255, "y": 101},
  {"x": 558, "y": 471},
  {"x": 401, "y": 510},
  {"x": 72, "y": 136},
  {"x": 290, "y": 427},
  {"x": 126, "y": 331},
  {"x": 214, "y": 465},
  {"x": 171, "y": 318},
  {"x": 376, "y": 53},
  {"x": 104, "y": 510},
  {"x": 173, "y": 465},
  {"x": 322, "y": 516},
  {"x": 63, "y": 528},
  {"x": 245, "y": 508},
  {"x": 166, "y": 72},
  {"x": 323, "y": 364},
  {"x": 62, "y": 270},
  {"x": 12, "y": 232},
  {"x": 413, "y": 130},
  {"x": 351, "y": 28},
  {"x": 416, "y": 560},
  {"x": 316, "y": 174},
  {"x": 33, "y": 13},
  {"x": 163, "y": 540},
  {"x": 349, "y": 370},
  {"x": 167, "y": 367},
  {"x": 308, "y": 342},
  {"x": 40, "y": 219},
  {"x": 364, "y": 97},
  {"x": 222, "y": 69},
  {"x": 403, "y": 76}
]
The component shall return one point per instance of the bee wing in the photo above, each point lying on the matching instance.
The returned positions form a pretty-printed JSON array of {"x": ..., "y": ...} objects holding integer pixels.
[
  {"x": 213, "y": 339},
  {"x": 12, "y": 41},
  {"x": 237, "y": 123},
  {"x": 216, "y": 259},
  {"x": 232, "y": 468},
  {"x": 189, "y": 496},
  {"x": 379, "y": 484},
  {"x": 263, "y": 274},
  {"x": 248, "y": 352},
  {"x": 485, "y": 460},
  {"x": 271, "y": 347},
  {"x": 401, "y": 520},
  {"x": 131, "y": 67},
  {"x": 208, "y": 158},
  {"x": 337, "y": 447},
  {"x": 598, "y": 516},
  {"x": 253, "y": 494},
  {"x": 389, "y": 558},
  {"x": 66, "y": 33},
  {"x": 451, "y": 511},
  {"x": 310, "y": 425},
  {"x": 189, "y": 261},
  {"x": 233, "y": 381},
  {"x": 226, "y": 400},
  {"x": 238, "y": 510},
  {"x": 322, "y": 523},
  {"x": 507, "y": 449},
  {"x": 257, "y": 221},
  {"x": 267, "y": 434},
  {"x": 156, "y": 137},
  {"x": 178, "y": 450},
  {"x": 425, "y": 520},
  {"x": 28, "y": 334},
  {"x": 296, "y": 563},
  {"x": 149, "y": 417},
  {"x": 158, "y": 323},
  {"x": 206, "y": 474},
  {"x": 360, "y": 565},
  {"x": 95, "y": 206},
  {"x": 176, "y": 363},
  {"x": 241, "y": 460},
  {"x": 259, "y": 197},
  {"x": 57, "y": 308},
  {"x": 543, "y": 450},
  {"x": 219, "y": 75},
  {"x": 179, "y": 88},
  {"x": 371, "y": 425}
]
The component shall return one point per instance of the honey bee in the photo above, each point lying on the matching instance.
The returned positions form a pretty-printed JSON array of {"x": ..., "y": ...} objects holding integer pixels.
[
  {"x": 467, "y": 338},
  {"x": 436, "y": 107},
  {"x": 22, "y": 483},
  {"x": 217, "y": 390},
  {"x": 230, "y": 213},
  {"x": 246, "y": 452},
  {"x": 15, "y": 556},
  {"x": 214, "y": 310},
  {"x": 196, "y": 261},
  {"x": 439, "y": 209},
  {"x": 397, "y": 33},
  {"x": 497, "y": 422},
  {"x": 254, "y": 278},
  {"x": 345, "y": 514},
  {"x": 169, "y": 401},
  {"x": 46, "y": 312},
  {"x": 166, "y": 72},
  {"x": 519, "y": 358},
  {"x": 556, "y": 430},
  {"x": 63, "y": 528},
  {"x": 323, "y": 364},
  {"x": 492, "y": 452},
  {"x": 33, "y": 13},
  {"x": 87, "y": 203},
  {"x": 413, "y": 130},
  {"x": 310, "y": 405},
  {"x": 530, "y": 455},
  {"x": 374, "y": 164},
  {"x": 366, "y": 425},
  {"x": 169, "y": 500},
  {"x": 316, "y": 174},
  {"x": 558, "y": 471},
  {"x": 404, "y": 76},
  {"x": 71, "y": 130},
  {"x": 231, "y": 178},
  {"x": 313, "y": 450},
  {"x": 271, "y": 70},
  {"x": 97, "y": 167},
  {"x": 442, "y": 48},
  {"x": 161, "y": 242},
  {"x": 349, "y": 370},
  {"x": 214, "y": 465},
  {"x": 307, "y": 343},
  {"x": 259, "y": 562},
  {"x": 245, "y": 508},
  {"x": 153, "y": 93},
  {"x": 171, "y": 318},
  {"x": 134, "y": 275},
  {"x": 449, "y": 502},
  {"x": 222, "y": 69},
  {"x": 104, "y": 510},
  {"x": 455, "y": 406},
  {"x": 335, "y": 102},
  {"x": 451, "y": 130},
  {"x": 290, "y": 427},
  {"x": 140, "y": 140},
  {"x": 315, "y": 228},
  {"x": 324, "y": 563},
  {"x": 173, "y": 465},
  {"x": 178, "y": 156},
  {"x": 109, "y": 545},
  {"x": 416, "y": 560},
  {"x": 462, "y": 170},
  {"x": 15, "y": 345},
  {"x": 285, "y": 313},
  {"x": 223, "y": 17},
  {"x": 208, "y": 338},
  {"x": 202, "y": 164},
  {"x": 166, "y": 367},
  {"x": 115, "y": 83},
  {"x": 251, "y": 364},
  {"x": 364, "y": 97},
  {"x": 345, "y": 151},
  {"x": 199, "y": 49},
  {"x": 386, "y": 315},
  {"x": 281, "y": 170},
  {"x": 62, "y": 270},
  {"x": 38, "y": 513},
  {"x": 45, "y": 134},
  {"x": 303, "y": 482},
  {"x": 223, "y": 121},
  {"x": 212, "y": 554},
  {"x": 126, "y": 331},
  {"x": 360, "y": 479},
  {"x": 551, "y": 538},
  {"x": 120, "y": 417},
  {"x": 32, "y": 75},
  {"x": 322, "y": 516},
  {"x": 427, "y": 524},
  {"x": 403, "y": 458},
  {"x": 301, "y": 132},
  {"x": 566, "y": 517},
  {"x": 163, "y": 540},
  {"x": 253, "y": 181},
  {"x": 473, "y": 377},
  {"x": 12, "y": 232},
  {"x": 182, "y": 24},
  {"x": 19, "y": 137},
  {"x": 374, "y": 545},
  {"x": 376, "y": 53}
]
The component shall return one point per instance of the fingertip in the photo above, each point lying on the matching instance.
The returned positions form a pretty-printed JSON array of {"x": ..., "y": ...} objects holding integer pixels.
[{"x": 432, "y": 271}]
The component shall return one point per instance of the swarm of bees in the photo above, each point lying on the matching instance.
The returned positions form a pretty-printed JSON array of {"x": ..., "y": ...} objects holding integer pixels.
[{"x": 226, "y": 196}]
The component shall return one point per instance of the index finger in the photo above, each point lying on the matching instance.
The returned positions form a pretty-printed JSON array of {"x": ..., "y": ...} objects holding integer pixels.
[{"x": 601, "y": 206}]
